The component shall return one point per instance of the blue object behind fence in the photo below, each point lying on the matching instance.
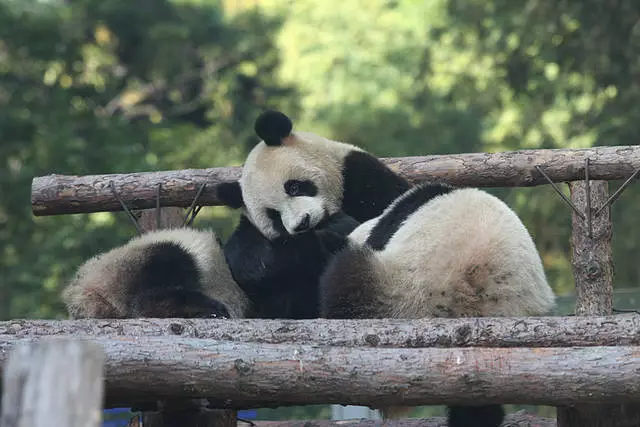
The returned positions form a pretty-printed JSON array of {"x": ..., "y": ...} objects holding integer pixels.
[{"x": 125, "y": 414}]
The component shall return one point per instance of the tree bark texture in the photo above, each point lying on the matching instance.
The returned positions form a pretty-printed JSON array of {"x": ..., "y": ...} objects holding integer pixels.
[
  {"x": 516, "y": 419},
  {"x": 591, "y": 256},
  {"x": 53, "y": 382},
  {"x": 170, "y": 217},
  {"x": 63, "y": 194},
  {"x": 235, "y": 375},
  {"x": 592, "y": 263},
  {"x": 622, "y": 329}
]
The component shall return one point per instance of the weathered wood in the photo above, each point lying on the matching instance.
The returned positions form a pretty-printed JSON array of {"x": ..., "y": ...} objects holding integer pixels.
[
  {"x": 592, "y": 263},
  {"x": 516, "y": 419},
  {"x": 63, "y": 194},
  {"x": 235, "y": 375},
  {"x": 53, "y": 382},
  {"x": 591, "y": 256},
  {"x": 623, "y": 329},
  {"x": 170, "y": 217}
]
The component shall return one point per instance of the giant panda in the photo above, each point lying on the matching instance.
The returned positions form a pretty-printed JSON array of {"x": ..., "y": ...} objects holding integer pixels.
[
  {"x": 438, "y": 251},
  {"x": 298, "y": 190},
  {"x": 175, "y": 272}
]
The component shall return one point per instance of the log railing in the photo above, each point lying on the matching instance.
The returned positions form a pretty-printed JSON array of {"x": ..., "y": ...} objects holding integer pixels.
[
  {"x": 555, "y": 331},
  {"x": 65, "y": 194},
  {"x": 147, "y": 361}
]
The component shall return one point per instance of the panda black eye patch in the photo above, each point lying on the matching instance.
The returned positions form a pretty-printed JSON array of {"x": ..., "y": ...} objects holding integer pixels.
[{"x": 296, "y": 188}]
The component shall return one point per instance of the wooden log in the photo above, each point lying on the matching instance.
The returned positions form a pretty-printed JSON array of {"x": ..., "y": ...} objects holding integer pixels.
[
  {"x": 63, "y": 194},
  {"x": 565, "y": 331},
  {"x": 519, "y": 418},
  {"x": 53, "y": 382},
  {"x": 235, "y": 375},
  {"x": 592, "y": 263}
]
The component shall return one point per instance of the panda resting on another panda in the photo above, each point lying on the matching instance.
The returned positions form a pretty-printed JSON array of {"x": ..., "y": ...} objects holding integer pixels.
[{"x": 430, "y": 250}]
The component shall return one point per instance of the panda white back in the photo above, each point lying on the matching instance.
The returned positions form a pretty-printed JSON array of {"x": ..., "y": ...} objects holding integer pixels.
[{"x": 464, "y": 253}]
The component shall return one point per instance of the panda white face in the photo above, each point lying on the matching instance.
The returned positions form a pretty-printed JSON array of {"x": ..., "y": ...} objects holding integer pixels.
[
  {"x": 291, "y": 188},
  {"x": 291, "y": 181}
]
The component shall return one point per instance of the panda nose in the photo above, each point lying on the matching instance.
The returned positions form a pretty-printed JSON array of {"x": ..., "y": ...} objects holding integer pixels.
[{"x": 304, "y": 224}]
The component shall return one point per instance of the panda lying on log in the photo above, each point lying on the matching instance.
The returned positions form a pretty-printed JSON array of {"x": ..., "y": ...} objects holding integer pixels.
[
  {"x": 430, "y": 250},
  {"x": 177, "y": 272}
]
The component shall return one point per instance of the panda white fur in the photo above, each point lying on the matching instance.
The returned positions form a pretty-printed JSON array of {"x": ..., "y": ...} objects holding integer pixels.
[
  {"x": 444, "y": 252},
  {"x": 296, "y": 189},
  {"x": 176, "y": 272}
]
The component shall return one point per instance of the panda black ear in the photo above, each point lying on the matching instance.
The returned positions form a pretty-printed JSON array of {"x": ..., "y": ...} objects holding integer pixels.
[
  {"x": 230, "y": 194},
  {"x": 272, "y": 126}
]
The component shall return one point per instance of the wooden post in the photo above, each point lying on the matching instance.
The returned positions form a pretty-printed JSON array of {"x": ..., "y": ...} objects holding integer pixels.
[
  {"x": 53, "y": 382},
  {"x": 169, "y": 217},
  {"x": 179, "y": 412},
  {"x": 592, "y": 263}
]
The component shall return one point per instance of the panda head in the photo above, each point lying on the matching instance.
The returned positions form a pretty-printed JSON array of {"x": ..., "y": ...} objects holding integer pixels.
[{"x": 291, "y": 181}]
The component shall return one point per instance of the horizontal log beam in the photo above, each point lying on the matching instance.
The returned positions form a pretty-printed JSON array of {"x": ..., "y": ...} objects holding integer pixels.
[
  {"x": 519, "y": 418},
  {"x": 560, "y": 331},
  {"x": 238, "y": 375},
  {"x": 64, "y": 194}
]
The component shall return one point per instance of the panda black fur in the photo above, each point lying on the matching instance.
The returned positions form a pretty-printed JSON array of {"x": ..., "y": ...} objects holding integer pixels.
[
  {"x": 280, "y": 276},
  {"x": 443, "y": 252},
  {"x": 172, "y": 272},
  {"x": 298, "y": 190}
]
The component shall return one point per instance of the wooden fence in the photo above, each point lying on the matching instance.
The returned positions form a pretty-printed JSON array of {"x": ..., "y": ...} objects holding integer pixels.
[{"x": 587, "y": 365}]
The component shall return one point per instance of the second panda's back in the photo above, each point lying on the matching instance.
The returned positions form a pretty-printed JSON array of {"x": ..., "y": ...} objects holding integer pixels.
[{"x": 466, "y": 253}]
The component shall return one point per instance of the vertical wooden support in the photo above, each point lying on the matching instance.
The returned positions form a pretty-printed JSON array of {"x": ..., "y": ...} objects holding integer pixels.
[
  {"x": 53, "y": 382},
  {"x": 591, "y": 257},
  {"x": 169, "y": 217},
  {"x": 592, "y": 263},
  {"x": 188, "y": 413},
  {"x": 180, "y": 413}
]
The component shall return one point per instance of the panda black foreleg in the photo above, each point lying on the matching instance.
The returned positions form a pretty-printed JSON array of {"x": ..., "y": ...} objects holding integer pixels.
[
  {"x": 332, "y": 233},
  {"x": 339, "y": 223},
  {"x": 475, "y": 416},
  {"x": 349, "y": 286}
]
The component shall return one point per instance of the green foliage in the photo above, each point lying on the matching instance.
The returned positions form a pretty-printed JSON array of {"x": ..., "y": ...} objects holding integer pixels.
[{"x": 97, "y": 87}]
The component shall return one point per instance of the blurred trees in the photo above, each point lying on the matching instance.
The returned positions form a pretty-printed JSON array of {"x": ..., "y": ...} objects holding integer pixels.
[{"x": 96, "y": 87}]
